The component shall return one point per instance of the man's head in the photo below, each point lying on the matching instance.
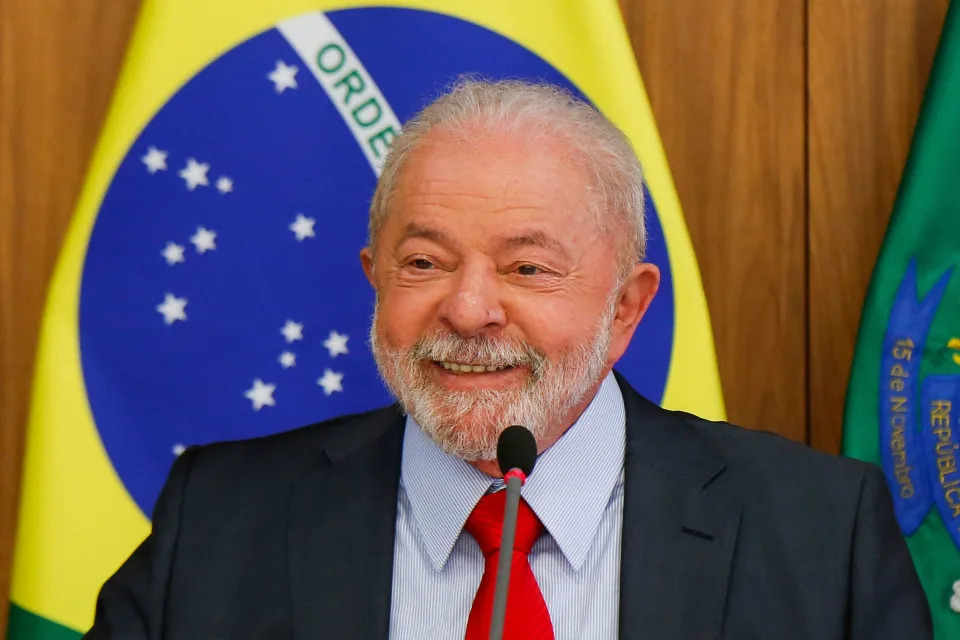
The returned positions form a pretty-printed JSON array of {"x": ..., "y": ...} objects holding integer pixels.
[{"x": 506, "y": 246}]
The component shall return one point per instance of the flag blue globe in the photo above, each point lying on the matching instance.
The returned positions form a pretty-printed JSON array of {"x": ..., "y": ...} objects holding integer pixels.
[{"x": 222, "y": 295}]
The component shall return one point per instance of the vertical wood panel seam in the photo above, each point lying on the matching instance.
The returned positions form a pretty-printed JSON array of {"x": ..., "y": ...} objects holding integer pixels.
[{"x": 807, "y": 307}]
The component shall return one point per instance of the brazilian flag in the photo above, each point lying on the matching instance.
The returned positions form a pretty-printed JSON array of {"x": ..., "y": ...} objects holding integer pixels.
[
  {"x": 209, "y": 287},
  {"x": 903, "y": 402}
]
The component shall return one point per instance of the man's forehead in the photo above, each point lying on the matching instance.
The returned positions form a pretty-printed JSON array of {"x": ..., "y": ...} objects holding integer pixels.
[
  {"x": 527, "y": 236},
  {"x": 515, "y": 193},
  {"x": 494, "y": 147},
  {"x": 522, "y": 236},
  {"x": 497, "y": 177}
]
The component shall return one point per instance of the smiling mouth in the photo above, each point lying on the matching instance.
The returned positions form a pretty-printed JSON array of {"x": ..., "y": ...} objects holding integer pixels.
[{"x": 460, "y": 367}]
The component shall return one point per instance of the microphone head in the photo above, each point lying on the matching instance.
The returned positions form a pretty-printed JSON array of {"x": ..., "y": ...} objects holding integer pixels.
[{"x": 516, "y": 449}]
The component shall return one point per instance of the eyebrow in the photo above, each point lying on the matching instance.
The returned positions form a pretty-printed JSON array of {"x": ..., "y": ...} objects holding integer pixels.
[
  {"x": 524, "y": 239},
  {"x": 413, "y": 230},
  {"x": 533, "y": 239}
]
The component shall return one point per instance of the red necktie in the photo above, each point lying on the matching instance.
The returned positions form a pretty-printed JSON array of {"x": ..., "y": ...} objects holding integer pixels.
[{"x": 527, "y": 616}]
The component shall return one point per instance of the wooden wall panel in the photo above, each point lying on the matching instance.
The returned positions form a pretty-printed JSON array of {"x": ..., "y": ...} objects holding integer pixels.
[
  {"x": 58, "y": 63},
  {"x": 868, "y": 66},
  {"x": 726, "y": 80}
]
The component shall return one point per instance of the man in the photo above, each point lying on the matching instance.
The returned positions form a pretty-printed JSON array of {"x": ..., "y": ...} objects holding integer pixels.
[{"x": 506, "y": 246}]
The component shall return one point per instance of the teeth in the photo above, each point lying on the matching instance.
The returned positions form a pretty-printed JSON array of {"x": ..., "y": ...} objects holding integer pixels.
[{"x": 456, "y": 367}]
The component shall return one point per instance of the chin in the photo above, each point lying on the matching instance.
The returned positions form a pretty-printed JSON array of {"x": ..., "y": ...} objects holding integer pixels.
[
  {"x": 467, "y": 425},
  {"x": 465, "y": 412},
  {"x": 468, "y": 435}
]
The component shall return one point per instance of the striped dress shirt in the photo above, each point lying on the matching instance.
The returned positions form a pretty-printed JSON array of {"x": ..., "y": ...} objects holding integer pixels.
[{"x": 576, "y": 490}]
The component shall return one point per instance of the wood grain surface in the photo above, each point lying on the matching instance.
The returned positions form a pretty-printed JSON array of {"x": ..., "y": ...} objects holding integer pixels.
[
  {"x": 786, "y": 125},
  {"x": 726, "y": 81},
  {"x": 868, "y": 65},
  {"x": 58, "y": 63}
]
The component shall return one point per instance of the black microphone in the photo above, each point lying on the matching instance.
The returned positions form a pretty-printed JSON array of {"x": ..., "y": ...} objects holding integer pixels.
[{"x": 516, "y": 455}]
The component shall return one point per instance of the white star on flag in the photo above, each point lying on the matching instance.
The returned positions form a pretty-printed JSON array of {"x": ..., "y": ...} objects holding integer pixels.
[
  {"x": 173, "y": 253},
  {"x": 955, "y": 598},
  {"x": 204, "y": 240},
  {"x": 283, "y": 77},
  {"x": 292, "y": 331},
  {"x": 331, "y": 381},
  {"x": 260, "y": 394},
  {"x": 172, "y": 308},
  {"x": 224, "y": 185},
  {"x": 303, "y": 227},
  {"x": 336, "y": 344},
  {"x": 155, "y": 160},
  {"x": 287, "y": 359},
  {"x": 178, "y": 449},
  {"x": 195, "y": 174}
]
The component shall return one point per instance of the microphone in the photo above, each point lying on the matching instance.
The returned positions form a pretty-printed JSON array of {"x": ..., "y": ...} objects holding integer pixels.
[{"x": 516, "y": 455}]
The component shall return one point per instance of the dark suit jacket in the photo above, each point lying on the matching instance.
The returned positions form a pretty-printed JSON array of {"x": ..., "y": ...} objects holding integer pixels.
[{"x": 727, "y": 533}]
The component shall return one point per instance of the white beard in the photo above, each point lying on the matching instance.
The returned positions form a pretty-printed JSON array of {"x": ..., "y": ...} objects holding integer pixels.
[{"x": 467, "y": 423}]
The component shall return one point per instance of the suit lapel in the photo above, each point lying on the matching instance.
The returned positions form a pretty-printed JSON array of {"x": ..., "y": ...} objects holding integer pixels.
[
  {"x": 678, "y": 533},
  {"x": 341, "y": 535}
]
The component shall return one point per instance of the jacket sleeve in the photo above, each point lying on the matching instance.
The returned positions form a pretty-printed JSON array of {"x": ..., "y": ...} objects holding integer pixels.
[
  {"x": 131, "y": 603},
  {"x": 886, "y": 598}
]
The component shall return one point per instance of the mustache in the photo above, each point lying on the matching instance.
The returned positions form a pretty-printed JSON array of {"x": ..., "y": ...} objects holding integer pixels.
[{"x": 499, "y": 352}]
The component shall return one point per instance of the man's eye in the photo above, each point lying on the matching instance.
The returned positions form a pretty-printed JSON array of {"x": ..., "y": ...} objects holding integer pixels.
[
  {"x": 421, "y": 263},
  {"x": 528, "y": 270}
]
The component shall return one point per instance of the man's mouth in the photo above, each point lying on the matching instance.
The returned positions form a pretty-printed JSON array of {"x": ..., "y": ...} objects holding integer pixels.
[{"x": 469, "y": 367}]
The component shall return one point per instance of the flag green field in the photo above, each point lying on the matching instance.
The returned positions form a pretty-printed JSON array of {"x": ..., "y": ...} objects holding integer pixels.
[{"x": 903, "y": 400}]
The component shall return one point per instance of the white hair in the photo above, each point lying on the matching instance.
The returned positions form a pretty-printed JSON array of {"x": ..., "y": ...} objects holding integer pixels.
[{"x": 540, "y": 110}]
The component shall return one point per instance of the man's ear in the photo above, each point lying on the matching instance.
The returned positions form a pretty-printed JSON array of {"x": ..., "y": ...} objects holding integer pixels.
[
  {"x": 635, "y": 297},
  {"x": 366, "y": 261}
]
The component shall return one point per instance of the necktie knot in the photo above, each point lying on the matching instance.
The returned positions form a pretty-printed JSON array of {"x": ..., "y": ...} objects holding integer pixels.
[
  {"x": 485, "y": 524},
  {"x": 527, "y": 617}
]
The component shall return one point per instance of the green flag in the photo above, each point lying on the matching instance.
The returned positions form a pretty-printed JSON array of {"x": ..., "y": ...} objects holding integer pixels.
[{"x": 903, "y": 402}]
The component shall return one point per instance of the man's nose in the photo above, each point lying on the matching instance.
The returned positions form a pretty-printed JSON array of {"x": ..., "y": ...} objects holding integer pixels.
[{"x": 473, "y": 306}]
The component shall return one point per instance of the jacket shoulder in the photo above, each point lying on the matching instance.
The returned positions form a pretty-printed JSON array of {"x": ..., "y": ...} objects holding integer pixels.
[
  {"x": 685, "y": 440},
  {"x": 756, "y": 451},
  {"x": 765, "y": 472},
  {"x": 259, "y": 464},
  {"x": 783, "y": 483}
]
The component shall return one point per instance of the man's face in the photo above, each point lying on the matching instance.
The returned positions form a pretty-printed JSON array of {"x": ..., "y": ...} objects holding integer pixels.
[{"x": 496, "y": 299}]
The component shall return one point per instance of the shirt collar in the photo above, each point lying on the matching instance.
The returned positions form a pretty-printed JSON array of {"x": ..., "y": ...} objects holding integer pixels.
[{"x": 569, "y": 489}]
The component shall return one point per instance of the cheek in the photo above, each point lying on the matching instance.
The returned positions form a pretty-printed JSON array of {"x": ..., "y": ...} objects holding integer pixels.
[
  {"x": 554, "y": 326},
  {"x": 403, "y": 318}
]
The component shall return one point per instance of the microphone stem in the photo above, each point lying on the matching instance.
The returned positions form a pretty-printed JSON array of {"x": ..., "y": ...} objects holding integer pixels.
[{"x": 501, "y": 589}]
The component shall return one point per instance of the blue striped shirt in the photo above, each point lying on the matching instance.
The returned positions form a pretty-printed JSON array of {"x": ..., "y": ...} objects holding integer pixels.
[{"x": 576, "y": 490}]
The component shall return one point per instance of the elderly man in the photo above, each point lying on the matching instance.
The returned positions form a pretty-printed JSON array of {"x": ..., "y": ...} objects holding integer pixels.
[{"x": 506, "y": 250}]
